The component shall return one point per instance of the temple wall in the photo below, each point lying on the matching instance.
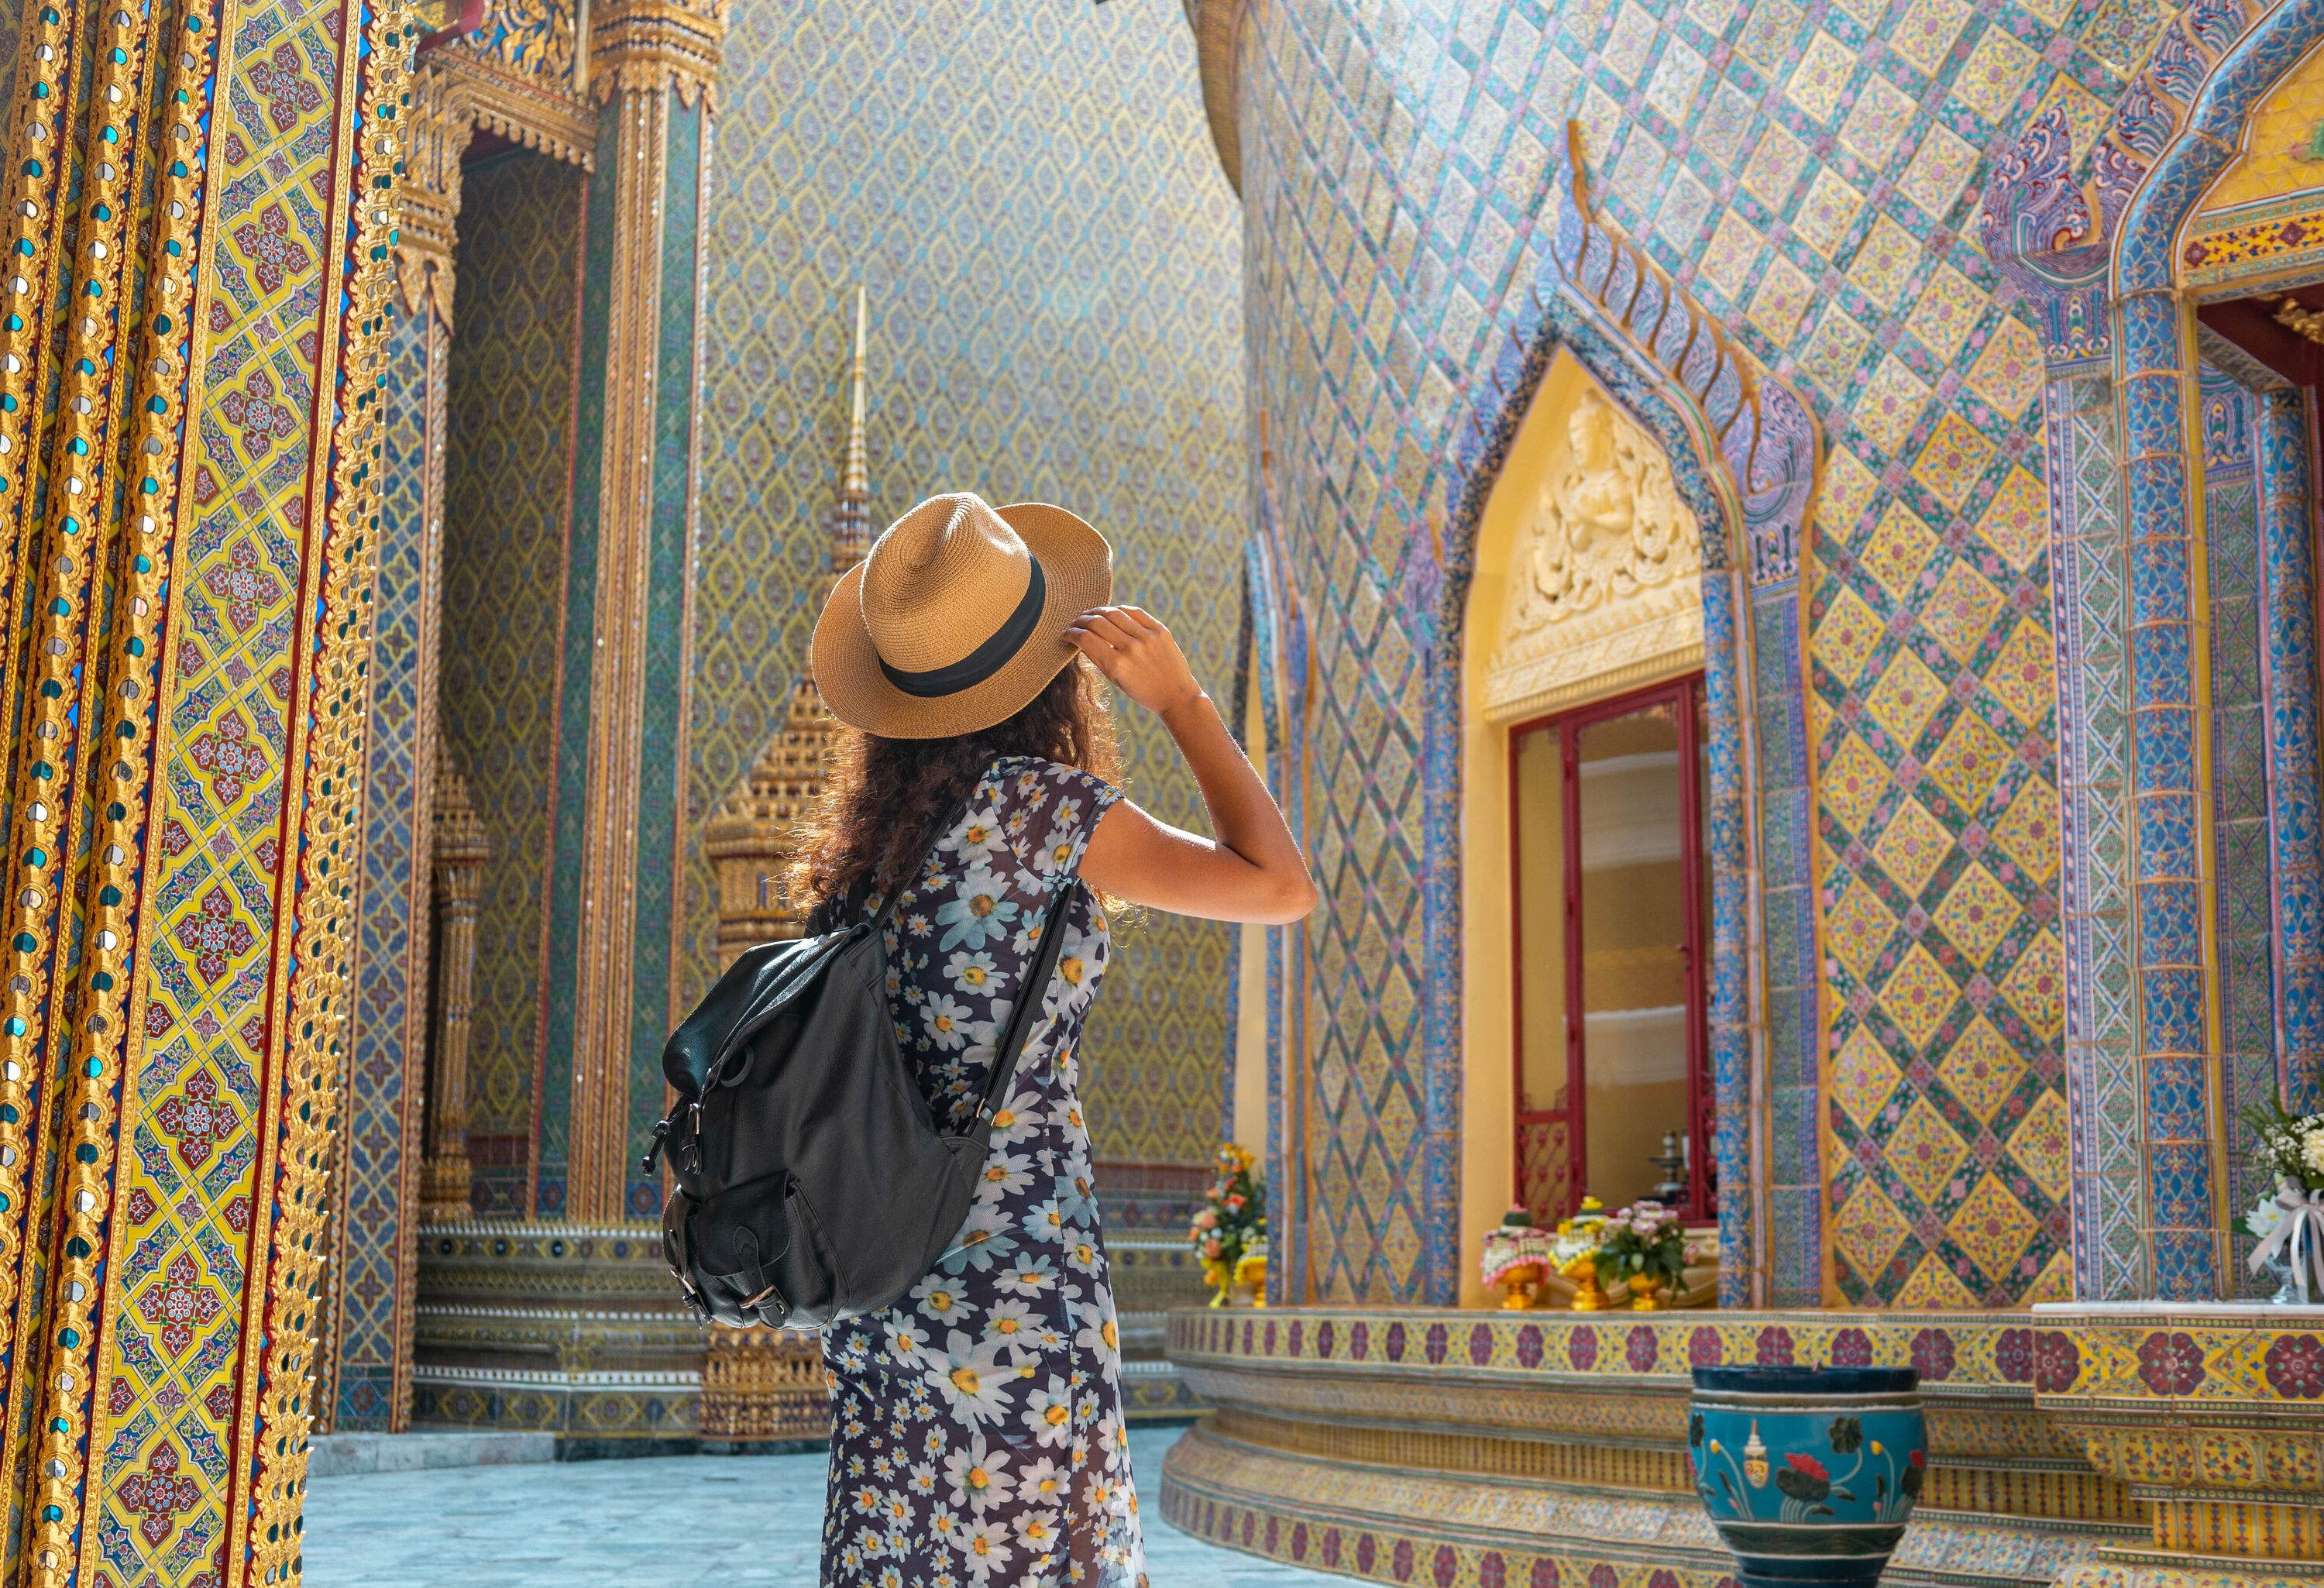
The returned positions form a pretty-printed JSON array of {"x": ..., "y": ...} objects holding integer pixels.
[
  {"x": 1053, "y": 262},
  {"x": 507, "y": 485},
  {"x": 1809, "y": 175}
]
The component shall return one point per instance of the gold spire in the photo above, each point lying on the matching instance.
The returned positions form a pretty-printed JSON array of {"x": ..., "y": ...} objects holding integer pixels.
[
  {"x": 856, "y": 481},
  {"x": 851, "y": 511}
]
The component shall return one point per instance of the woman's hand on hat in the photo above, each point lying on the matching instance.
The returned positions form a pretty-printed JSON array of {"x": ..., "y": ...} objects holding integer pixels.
[{"x": 1138, "y": 655}]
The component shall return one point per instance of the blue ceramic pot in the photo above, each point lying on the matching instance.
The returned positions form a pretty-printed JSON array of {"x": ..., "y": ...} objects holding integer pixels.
[{"x": 1809, "y": 1473}]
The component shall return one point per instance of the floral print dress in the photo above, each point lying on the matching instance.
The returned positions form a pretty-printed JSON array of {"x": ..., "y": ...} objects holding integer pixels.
[{"x": 977, "y": 1432}]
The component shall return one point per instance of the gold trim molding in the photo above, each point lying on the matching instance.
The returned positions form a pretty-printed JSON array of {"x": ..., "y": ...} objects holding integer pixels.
[
  {"x": 1217, "y": 25},
  {"x": 1666, "y": 648},
  {"x": 523, "y": 109},
  {"x": 455, "y": 93},
  {"x": 643, "y": 45}
]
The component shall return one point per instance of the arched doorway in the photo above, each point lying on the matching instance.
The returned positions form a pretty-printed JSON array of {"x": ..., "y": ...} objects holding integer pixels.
[
  {"x": 1587, "y": 898},
  {"x": 1585, "y": 812}
]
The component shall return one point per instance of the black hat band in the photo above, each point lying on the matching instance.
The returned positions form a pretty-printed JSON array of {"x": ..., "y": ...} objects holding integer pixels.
[{"x": 987, "y": 659}]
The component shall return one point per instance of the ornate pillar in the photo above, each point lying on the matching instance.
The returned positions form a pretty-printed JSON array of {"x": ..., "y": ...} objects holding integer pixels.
[
  {"x": 2050, "y": 240},
  {"x": 375, "y": 1185},
  {"x": 624, "y": 680},
  {"x": 552, "y": 1324},
  {"x": 2287, "y": 535},
  {"x": 191, "y": 337},
  {"x": 461, "y": 854}
]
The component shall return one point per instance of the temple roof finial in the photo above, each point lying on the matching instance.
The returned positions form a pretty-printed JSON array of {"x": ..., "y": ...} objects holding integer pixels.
[{"x": 851, "y": 513}]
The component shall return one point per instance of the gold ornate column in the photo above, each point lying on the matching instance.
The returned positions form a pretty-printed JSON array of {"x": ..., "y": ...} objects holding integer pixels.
[
  {"x": 428, "y": 237},
  {"x": 652, "y": 63},
  {"x": 461, "y": 854},
  {"x": 190, "y": 342}
]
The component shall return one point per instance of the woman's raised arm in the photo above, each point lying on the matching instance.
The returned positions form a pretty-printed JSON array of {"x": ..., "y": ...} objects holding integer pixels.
[{"x": 1252, "y": 871}]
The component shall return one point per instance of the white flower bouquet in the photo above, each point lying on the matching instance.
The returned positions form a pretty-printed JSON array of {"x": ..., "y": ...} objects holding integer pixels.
[{"x": 2289, "y": 1225}]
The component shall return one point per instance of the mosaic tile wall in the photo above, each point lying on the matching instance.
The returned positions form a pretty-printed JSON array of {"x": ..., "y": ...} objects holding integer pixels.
[
  {"x": 1806, "y": 172},
  {"x": 2296, "y": 863},
  {"x": 2145, "y": 989},
  {"x": 1053, "y": 258},
  {"x": 2244, "y": 921},
  {"x": 505, "y": 495},
  {"x": 371, "y": 1268}
]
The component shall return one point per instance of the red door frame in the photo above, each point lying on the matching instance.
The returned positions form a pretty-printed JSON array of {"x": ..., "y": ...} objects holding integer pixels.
[{"x": 1684, "y": 694}]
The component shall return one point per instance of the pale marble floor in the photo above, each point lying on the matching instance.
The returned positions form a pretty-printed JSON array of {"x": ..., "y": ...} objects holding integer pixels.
[{"x": 687, "y": 1522}]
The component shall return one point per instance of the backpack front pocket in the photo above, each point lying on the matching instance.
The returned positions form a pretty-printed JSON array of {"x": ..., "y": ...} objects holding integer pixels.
[{"x": 761, "y": 1256}]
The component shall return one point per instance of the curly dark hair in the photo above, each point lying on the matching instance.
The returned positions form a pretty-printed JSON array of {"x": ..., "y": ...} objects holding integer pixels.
[{"x": 887, "y": 800}]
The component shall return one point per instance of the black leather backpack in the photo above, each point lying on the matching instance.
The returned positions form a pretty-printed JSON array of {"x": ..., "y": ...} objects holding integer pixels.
[{"x": 815, "y": 1183}]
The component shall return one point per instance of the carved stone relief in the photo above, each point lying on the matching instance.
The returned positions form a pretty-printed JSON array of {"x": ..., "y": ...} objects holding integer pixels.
[{"x": 1605, "y": 588}]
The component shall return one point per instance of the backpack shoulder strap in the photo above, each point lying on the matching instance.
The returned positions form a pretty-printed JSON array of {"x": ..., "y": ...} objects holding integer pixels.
[{"x": 1031, "y": 993}]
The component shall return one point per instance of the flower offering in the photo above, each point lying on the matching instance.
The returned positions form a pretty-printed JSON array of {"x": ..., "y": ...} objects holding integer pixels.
[
  {"x": 1642, "y": 1249},
  {"x": 1231, "y": 1224},
  {"x": 2289, "y": 1225}
]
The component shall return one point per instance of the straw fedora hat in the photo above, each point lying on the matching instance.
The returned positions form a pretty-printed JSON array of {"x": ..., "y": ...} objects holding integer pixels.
[{"x": 956, "y": 619}]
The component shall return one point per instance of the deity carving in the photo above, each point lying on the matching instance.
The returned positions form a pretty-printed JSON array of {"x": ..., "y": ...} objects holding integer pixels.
[
  {"x": 1608, "y": 523},
  {"x": 1605, "y": 581}
]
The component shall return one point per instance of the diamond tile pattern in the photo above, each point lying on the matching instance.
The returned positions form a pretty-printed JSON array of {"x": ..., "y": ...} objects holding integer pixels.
[
  {"x": 1804, "y": 171},
  {"x": 1977, "y": 913},
  {"x": 1864, "y": 1078},
  {"x": 1911, "y": 848},
  {"x": 1982, "y": 1071},
  {"x": 372, "y": 1290},
  {"x": 1054, "y": 262},
  {"x": 1923, "y": 1151},
  {"x": 178, "y": 1270}
]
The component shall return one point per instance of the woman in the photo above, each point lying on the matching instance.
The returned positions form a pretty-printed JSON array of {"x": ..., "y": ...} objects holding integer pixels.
[{"x": 977, "y": 1432}]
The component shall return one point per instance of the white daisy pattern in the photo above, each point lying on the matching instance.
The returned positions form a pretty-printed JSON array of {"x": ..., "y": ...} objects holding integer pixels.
[{"x": 977, "y": 1431}]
